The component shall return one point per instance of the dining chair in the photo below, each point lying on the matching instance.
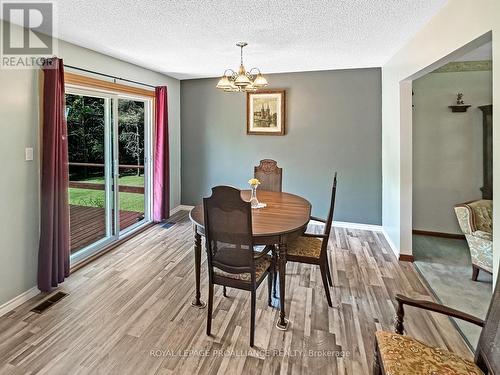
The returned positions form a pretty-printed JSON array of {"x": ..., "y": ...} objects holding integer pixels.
[
  {"x": 396, "y": 354},
  {"x": 311, "y": 248},
  {"x": 232, "y": 260},
  {"x": 269, "y": 175}
]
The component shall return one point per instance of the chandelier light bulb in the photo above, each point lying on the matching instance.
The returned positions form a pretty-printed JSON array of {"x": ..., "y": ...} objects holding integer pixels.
[
  {"x": 260, "y": 81},
  {"x": 224, "y": 83}
]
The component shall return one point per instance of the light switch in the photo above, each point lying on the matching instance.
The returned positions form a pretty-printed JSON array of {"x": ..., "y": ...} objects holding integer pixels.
[{"x": 28, "y": 151}]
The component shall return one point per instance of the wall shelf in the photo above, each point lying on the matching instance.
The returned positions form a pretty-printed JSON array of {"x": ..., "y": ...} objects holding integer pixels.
[{"x": 459, "y": 108}]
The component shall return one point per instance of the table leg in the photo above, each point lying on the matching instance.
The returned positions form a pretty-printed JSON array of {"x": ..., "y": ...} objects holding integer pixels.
[
  {"x": 282, "y": 323},
  {"x": 197, "y": 269}
]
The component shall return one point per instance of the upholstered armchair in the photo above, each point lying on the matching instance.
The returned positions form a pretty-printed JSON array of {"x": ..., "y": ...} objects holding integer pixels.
[
  {"x": 396, "y": 354},
  {"x": 476, "y": 219}
]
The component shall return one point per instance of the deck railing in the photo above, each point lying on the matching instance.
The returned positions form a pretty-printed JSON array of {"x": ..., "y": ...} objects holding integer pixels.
[
  {"x": 97, "y": 186},
  {"x": 124, "y": 166}
]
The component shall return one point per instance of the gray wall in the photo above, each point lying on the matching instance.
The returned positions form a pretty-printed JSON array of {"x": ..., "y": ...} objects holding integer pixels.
[
  {"x": 333, "y": 124},
  {"x": 447, "y": 147},
  {"x": 19, "y": 180}
]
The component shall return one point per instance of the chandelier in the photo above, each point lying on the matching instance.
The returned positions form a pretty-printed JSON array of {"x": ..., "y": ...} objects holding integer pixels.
[{"x": 242, "y": 81}]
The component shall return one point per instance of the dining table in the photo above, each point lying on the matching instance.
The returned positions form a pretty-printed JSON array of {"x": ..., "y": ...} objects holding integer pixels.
[{"x": 284, "y": 218}]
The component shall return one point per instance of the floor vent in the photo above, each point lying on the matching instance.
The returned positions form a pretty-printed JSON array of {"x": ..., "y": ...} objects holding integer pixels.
[
  {"x": 52, "y": 300},
  {"x": 168, "y": 225}
]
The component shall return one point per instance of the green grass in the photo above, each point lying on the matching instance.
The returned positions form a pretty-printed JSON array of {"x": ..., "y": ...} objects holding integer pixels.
[{"x": 96, "y": 198}]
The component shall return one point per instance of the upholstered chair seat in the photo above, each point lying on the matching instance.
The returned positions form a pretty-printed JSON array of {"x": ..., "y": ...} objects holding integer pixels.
[
  {"x": 403, "y": 355},
  {"x": 262, "y": 264},
  {"x": 309, "y": 247},
  {"x": 476, "y": 220}
]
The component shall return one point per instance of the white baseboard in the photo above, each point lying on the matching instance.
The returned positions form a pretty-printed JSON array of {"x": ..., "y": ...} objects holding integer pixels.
[
  {"x": 340, "y": 224},
  {"x": 393, "y": 247},
  {"x": 19, "y": 300},
  {"x": 180, "y": 207},
  {"x": 345, "y": 224},
  {"x": 370, "y": 227}
]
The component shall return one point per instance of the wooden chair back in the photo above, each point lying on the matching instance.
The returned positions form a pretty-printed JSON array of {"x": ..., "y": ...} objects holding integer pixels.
[
  {"x": 329, "y": 219},
  {"x": 487, "y": 355},
  {"x": 269, "y": 175},
  {"x": 228, "y": 231}
]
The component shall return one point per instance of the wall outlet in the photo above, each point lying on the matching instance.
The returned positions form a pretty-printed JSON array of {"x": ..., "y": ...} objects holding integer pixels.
[{"x": 28, "y": 152}]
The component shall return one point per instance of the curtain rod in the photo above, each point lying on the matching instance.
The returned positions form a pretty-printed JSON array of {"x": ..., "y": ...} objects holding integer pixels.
[{"x": 108, "y": 75}]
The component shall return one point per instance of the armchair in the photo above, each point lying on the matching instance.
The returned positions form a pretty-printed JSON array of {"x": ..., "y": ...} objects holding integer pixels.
[
  {"x": 475, "y": 219},
  {"x": 396, "y": 354}
]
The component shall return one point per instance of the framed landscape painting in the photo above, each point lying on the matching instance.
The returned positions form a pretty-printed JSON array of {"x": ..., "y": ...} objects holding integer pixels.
[{"x": 266, "y": 112}]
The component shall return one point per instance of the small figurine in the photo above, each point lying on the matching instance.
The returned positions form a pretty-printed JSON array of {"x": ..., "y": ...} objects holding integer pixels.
[{"x": 460, "y": 100}]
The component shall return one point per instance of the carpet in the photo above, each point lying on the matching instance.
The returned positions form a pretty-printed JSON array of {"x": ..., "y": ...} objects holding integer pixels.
[{"x": 445, "y": 265}]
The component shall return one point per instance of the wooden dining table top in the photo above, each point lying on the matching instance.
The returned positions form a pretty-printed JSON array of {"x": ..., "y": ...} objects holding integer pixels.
[{"x": 284, "y": 213}]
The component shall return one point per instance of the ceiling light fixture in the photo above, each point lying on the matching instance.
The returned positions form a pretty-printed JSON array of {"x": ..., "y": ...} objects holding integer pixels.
[{"x": 242, "y": 81}]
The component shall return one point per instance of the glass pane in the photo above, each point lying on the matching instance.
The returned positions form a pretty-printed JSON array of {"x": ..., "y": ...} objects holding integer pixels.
[
  {"x": 131, "y": 162},
  {"x": 87, "y": 197}
]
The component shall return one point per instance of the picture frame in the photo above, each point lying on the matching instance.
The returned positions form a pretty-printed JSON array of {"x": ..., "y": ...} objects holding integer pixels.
[{"x": 266, "y": 112}]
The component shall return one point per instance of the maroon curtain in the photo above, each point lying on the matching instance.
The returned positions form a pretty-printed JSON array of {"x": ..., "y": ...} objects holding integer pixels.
[
  {"x": 53, "y": 253},
  {"x": 161, "y": 174}
]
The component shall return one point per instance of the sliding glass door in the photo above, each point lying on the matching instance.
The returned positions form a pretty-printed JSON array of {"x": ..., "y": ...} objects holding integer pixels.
[
  {"x": 90, "y": 189},
  {"x": 109, "y": 168},
  {"x": 131, "y": 182}
]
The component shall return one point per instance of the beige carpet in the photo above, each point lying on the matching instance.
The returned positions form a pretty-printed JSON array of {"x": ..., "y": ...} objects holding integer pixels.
[{"x": 445, "y": 265}]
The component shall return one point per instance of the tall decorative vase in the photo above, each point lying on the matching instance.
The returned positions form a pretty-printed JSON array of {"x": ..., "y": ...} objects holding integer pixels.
[{"x": 254, "y": 202}]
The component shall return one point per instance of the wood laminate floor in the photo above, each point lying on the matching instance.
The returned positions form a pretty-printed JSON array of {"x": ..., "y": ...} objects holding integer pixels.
[{"x": 129, "y": 312}]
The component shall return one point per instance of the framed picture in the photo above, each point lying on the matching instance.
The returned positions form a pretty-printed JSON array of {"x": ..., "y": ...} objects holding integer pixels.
[{"x": 266, "y": 112}]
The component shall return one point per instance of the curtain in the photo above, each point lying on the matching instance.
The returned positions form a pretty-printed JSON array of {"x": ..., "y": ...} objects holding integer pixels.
[
  {"x": 53, "y": 253},
  {"x": 161, "y": 173}
]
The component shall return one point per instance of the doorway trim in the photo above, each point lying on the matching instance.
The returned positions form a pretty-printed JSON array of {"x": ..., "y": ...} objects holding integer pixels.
[{"x": 406, "y": 142}]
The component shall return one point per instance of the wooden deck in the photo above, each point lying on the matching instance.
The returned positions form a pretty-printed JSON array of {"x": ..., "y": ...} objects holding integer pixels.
[{"x": 87, "y": 224}]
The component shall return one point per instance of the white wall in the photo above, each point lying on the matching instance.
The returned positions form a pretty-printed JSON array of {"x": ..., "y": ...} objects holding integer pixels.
[
  {"x": 447, "y": 146},
  {"x": 19, "y": 180},
  {"x": 458, "y": 23}
]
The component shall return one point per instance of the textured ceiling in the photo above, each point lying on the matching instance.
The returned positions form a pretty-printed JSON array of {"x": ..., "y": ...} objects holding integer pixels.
[{"x": 196, "y": 38}]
